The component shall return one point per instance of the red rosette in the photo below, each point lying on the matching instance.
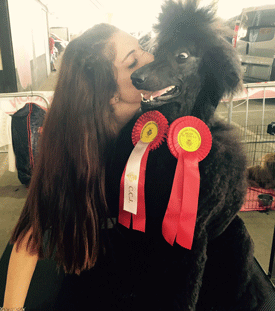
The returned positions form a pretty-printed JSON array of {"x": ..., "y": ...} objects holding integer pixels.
[
  {"x": 189, "y": 140},
  {"x": 200, "y": 126},
  {"x": 148, "y": 133},
  {"x": 162, "y": 127}
]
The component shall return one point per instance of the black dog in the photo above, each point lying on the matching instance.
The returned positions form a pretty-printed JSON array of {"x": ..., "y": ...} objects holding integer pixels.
[{"x": 195, "y": 67}]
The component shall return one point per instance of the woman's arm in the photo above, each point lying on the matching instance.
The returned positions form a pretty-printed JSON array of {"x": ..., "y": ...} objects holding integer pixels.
[{"x": 20, "y": 271}]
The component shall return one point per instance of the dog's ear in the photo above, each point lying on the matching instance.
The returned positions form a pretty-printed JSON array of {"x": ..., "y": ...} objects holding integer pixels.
[{"x": 220, "y": 71}]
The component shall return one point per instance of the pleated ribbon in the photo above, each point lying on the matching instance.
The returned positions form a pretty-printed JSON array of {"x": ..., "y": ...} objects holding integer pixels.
[
  {"x": 190, "y": 141},
  {"x": 148, "y": 134}
]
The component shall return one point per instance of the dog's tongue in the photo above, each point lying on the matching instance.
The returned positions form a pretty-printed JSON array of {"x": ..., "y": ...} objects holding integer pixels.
[{"x": 156, "y": 94}]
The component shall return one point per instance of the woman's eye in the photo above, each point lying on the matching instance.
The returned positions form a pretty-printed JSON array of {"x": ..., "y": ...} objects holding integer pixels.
[
  {"x": 133, "y": 64},
  {"x": 182, "y": 57}
]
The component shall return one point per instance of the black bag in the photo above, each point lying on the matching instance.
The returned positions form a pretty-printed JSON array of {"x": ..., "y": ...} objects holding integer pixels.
[
  {"x": 271, "y": 128},
  {"x": 26, "y": 125}
]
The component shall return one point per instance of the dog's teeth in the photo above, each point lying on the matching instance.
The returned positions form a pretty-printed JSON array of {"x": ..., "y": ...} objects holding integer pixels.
[
  {"x": 151, "y": 98},
  {"x": 169, "y": 89},
  {"x": 141, "y": 96}
]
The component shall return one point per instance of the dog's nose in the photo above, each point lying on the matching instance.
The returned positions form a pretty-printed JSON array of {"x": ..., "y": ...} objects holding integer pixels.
[{"x": 138, "y": 79}]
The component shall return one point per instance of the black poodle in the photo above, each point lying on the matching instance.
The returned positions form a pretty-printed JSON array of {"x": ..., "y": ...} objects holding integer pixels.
[{"x": 194, "y": 68}]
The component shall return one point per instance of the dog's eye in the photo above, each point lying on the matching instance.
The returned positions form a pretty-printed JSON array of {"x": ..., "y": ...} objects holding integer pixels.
[
  {"x": 142, "y": 47},
  {"x": 182, "y": 57}
]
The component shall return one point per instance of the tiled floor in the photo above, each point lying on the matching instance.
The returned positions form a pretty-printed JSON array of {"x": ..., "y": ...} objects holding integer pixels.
[
  {"x": 3, "y": 162},
  {"x": 12, "y": 198},
  {"x": 260, "y": 225}
]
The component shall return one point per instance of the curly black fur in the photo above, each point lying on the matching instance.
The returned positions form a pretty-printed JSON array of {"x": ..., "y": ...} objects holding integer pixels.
[{"x": 217, "y": 274}]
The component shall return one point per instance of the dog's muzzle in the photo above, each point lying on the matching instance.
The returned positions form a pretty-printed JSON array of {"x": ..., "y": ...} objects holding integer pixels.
[
  {"x": 150, "y": 98},
  {"x": 138, "y": 79}
]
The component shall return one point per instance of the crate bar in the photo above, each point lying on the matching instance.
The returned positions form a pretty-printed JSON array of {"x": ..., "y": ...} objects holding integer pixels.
[{"x": 262, "y": 131}]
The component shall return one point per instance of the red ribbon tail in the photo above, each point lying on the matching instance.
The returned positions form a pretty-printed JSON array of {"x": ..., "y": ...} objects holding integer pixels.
[
  {"x": 139, "y": 220},
  {"x": 188, "y": 214},
  {"x": 124, "y": 217},
  {"x": 172, "y": 215}
]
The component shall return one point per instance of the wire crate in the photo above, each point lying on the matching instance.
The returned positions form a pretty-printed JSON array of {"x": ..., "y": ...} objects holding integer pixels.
[
  {"x": 251, "y": 202},
  {"x": 257, "y": 143}
]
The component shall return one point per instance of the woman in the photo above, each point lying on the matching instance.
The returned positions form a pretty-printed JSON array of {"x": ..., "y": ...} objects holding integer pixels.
[{"x": 94, "y": 99}]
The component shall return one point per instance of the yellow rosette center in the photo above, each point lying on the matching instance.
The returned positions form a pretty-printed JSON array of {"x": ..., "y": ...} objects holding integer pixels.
[
  {"x": 149, "y": 132},
  {"x": 189, "y": 139}
]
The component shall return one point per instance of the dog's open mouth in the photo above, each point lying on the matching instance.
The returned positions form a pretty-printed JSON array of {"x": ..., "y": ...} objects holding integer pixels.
[{"x": 160, "y": 97}]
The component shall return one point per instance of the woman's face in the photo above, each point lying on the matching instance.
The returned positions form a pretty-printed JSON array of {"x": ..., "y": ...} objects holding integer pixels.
[{"x": 129, "y": 57}]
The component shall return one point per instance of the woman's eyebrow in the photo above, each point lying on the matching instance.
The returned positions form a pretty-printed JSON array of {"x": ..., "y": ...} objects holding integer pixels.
[{"x": 128, "y": 55}]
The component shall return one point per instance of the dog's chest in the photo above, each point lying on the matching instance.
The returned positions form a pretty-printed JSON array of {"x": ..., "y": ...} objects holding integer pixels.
[
  {"x": 160, "y": 169},
  {"x": 159, "y": 177}
]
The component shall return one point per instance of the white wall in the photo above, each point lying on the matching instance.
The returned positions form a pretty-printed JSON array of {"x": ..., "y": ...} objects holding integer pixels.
[{"x": 29, "y": 31}]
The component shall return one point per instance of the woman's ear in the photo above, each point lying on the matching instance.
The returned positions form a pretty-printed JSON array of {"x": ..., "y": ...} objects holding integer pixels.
[{"x": 115, "y": 99}]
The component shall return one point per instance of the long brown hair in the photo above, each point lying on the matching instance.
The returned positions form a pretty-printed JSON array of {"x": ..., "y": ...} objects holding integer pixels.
[{"x": 67, "y": 190}]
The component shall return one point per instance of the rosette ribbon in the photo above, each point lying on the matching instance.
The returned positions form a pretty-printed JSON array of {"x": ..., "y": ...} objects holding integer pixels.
[
  {"x": 148, "y": 133},
  {"x": 190, "y": 141}
]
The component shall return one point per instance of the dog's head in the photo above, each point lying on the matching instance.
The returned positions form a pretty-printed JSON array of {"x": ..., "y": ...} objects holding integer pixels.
[
  {"x": 194, "y": 65},
  {"x": 268, "y": 163}
]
